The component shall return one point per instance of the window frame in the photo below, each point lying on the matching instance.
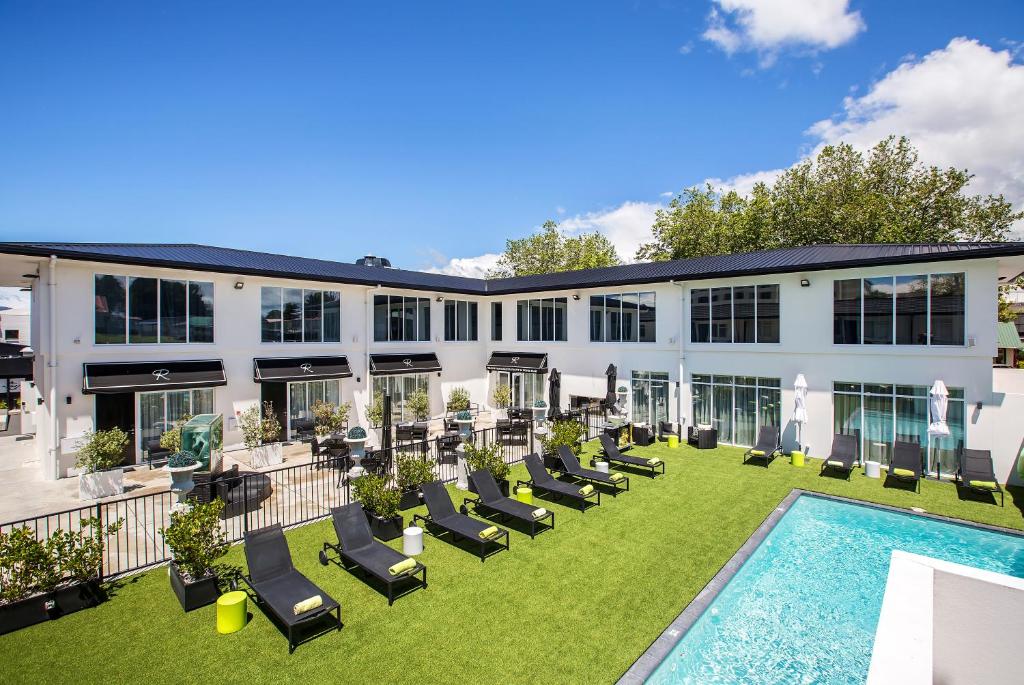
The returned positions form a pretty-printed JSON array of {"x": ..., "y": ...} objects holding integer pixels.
[
  {"x": 419, "y": 308},
  {"x": 706, "y": 326},
  {"x": 604, "y": 323},
  {"x": 126, "y": 279},
  {"x": 459, "y": 315},
  {"x": 304, "y": 292},
  {"x": 535, "y": 307}
]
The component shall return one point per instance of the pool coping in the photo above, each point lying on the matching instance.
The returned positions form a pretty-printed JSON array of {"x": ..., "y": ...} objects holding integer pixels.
[{"x": 648, "y": 662}]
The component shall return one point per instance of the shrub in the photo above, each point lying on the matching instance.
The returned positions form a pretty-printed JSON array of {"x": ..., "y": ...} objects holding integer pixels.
[
  {"x": 376, "y": 497},
  {"x": 487, "y": 457},
  {"x": 356, "y": 433},
  {"x": 413, "y": 471},
  {"x": 3, "y": 404},
  {"x": 463, "y": 415},
  {"x": 419, "y": 404},
  {"x": 195, "y": 539},
  {"x": 540, "y": 404},
  {"x": 181, "y": 459},
  {"x": 171, "y": 439},
  {"x": 329, "y": 419},
  {"x": 375, "y": 411},
  {"x": 623, "y": 388},
  {"x": 503, "y": 396},
  {"x": 258, "y": 425},
  {"x": 458, "y": 399},
  {"x": 101, "y": 450},
  {"x": 566, "y": 433}
]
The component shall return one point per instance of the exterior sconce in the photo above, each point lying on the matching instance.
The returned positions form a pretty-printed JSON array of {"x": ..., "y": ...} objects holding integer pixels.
[
  {"x": 440, "y": 298},
  {"x": 805, "y": 283},
  {"x": 239, "y": 285},
  {"x": 576, "y": 296}
]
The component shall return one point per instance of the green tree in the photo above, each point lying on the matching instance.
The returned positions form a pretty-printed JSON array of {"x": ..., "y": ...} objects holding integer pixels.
[
  {"x": 840, "y": 196},
  {"x": 549, "y": 251}
]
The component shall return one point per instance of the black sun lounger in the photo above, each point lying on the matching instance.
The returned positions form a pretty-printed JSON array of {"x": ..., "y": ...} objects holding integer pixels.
[
  {"x": 976, "y": 472},
  {"x": 767, "y": 446},
  {"x": 442, "y": 514},
  {"x": 278, "y": 586},
  {"x": 612, "y": 453},
  {"x": 906, "y": 463},
  {"x": 571, "y": 466},
  {"x": 357, "y": 546},
  {"x": 843, "y": 456},
  {"x": 491, "y": 499},
  {"x": 543, "y": 482}
]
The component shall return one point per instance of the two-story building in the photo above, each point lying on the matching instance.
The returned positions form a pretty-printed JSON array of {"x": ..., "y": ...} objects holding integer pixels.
[{"x": 137, "y": 335}]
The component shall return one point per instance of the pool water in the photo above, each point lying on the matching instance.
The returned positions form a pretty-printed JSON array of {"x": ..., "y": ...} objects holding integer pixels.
[{"x": 804, "y": 607}]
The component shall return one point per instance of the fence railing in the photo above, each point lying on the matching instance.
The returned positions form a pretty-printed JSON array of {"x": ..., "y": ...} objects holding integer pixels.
[{"x": 290, "y": 495}]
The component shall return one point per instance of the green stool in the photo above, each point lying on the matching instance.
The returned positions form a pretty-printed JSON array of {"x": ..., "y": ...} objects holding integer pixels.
[
  {"x": 232, "y": 611},
  {"x": 673, "y": 441},
  {"x": 524, "y": 495}
]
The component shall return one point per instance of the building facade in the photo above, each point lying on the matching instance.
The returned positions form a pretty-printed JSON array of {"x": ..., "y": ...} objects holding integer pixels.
[{"x": 137, "y": 335}]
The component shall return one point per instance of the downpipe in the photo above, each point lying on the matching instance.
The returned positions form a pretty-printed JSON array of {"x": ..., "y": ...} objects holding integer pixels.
[{"x": 52, "y": 465}]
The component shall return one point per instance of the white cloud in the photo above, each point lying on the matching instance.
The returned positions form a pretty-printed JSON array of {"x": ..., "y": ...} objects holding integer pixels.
[
  {"x": 13, "y": 298},
  {"x": 473, "y": 267},
  {"x": 744, "y": 183},
  {"x": 686, "y": 48},
  {"x": 766, "y": 26},
  {"x": 626, "y": 226}
]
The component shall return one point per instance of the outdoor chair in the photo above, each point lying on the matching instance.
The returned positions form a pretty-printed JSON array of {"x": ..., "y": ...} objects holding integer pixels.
[
  {"x": 843, "y": 456},
  {"x": 571, "y": 466},
  {"x": 519, "y": 431},
  {"x": 278, "y": 587},
  {"x": 665, "y": 429},
  {"x": 442, "y": 514},
  {"x": 612, "y": 453},
  {"x": 906, "y": 463},
  {"x": 357, "y": 546},
  {"x": 767, "y": 446},
  {"x": 490, "y": 499},
  {"x": 542, "y": 482},
  {"x": 976, "y": 472}
]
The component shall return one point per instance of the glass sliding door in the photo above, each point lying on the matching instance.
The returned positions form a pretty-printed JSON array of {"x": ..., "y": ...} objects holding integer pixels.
[
  {"x": 302, "y": 395},
  {"x": 723, "y": 407},
  {"x": 400, "y": 387},
  {"x": 737, "y": 406},
  {"x": 700, "y": 388},
  {"x": 746, "y": 412},
  {"x": 878, "y": 423},
  {"x": 650, "y": 397},
  {"x": 159, "y": 411}
]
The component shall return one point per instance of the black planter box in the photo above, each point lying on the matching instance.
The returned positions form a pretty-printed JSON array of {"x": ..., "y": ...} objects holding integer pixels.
[
  {"x": 196, "y": 594},
  {"x": 502, "y": 485},
  {"x": 46, "y": 607},
  {"x": 385, "y": 529},
  {"x": 410, "y": 499}
]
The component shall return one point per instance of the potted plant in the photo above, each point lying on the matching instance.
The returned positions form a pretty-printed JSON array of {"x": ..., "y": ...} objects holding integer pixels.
[
  {"x": 3, "y": 407},
  {"x": 380, "y": 504},
  {"x": 419, "y": 404},
  {"x": 170, "y": 440},
  {"x": 196, "y": 541},
  {"x": 261, "y": 432},
  {"x": 458, "y": 399},
  {"x": 503, "y": 398},
  {"x": 465, "y": 421},
  {"x": 44, "y": 579},
  {"x": 568, "y": 433},
  {"x": 375, "y": 415},
  {"x": 490, "y": 458},
  {"x": 328, "y": 419},
  {"x": 180, "y": 466},
  {"x": 100, "y": 454},
  {"x": 540, "y": 410},
  {"x": 356, "y": 440},
  {"x": 413, "y": 471}
]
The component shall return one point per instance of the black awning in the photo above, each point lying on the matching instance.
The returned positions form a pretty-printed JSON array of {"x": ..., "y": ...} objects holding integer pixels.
[
  {"x": 16, "y": 367},
  {"x": 114, "y": 377},
  {"x": 528, "y": 362},
  {"x": 390, "y": 364},
  {"x": 284, "y": 369}
]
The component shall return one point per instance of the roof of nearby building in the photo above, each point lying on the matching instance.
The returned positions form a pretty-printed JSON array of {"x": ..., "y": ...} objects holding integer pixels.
[
  {"x": 245, "y": 262},
  {"x": 1007, "y": 336}
]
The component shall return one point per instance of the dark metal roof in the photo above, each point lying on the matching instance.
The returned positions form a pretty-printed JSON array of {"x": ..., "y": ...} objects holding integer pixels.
[{"x": 244, "y": 262}]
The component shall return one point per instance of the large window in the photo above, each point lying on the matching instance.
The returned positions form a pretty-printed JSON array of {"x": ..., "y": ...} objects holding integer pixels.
[
  {"x": 623, "y": 317},
  {"x": 158, "y": 411},
  {"x": 541, "y": 320},
  {"x": 401, "y": 319},
  {"x": 879, "y": 414},
  {"x": 650, "y": 397},
  {"x": 741, "y": 314},
  {"x": 298, "y": 315},
  {"x": 460, "y": 320},
  {"x": 526, "y": 388},
  {"x": 400, "y": 387},
  {"x": 738, "y": 406},
  {"x": 302, "y": 395},
  {"x": 496, "y": 321},
  {"x": 136, "y": 310},
  {"x": 901, "y": 310}
]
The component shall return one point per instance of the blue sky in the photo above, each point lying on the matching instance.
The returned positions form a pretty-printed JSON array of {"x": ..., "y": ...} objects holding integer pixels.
[{"x": 432, "y": 131}]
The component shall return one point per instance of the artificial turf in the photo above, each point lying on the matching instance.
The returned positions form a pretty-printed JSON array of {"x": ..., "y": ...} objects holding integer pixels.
[{"x": 576, "y": 605}]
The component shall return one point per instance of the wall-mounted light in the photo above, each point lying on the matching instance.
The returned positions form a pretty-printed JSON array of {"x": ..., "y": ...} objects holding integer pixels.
[
  {"x": 239, "y": 285},
  {"x": 358, "y": 379},
  {"x": 30, "y": 275},
  {"x": 978, "y": 406},
  {"x": 440, "y": 298},
  {"x": 67, "y": 400},
  {"x": 576, "y": 296},
  {"x": 805, "y": 283},
  {"x": 77, "y": 340}
]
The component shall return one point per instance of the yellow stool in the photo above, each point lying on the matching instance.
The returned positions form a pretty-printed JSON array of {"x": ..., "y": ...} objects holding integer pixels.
[
  {"x": 525, "y": 495},
  {"x": 673, "y": 441},
  {"x": 232, "y": 611},
  {"x": 797, "y": 458}
]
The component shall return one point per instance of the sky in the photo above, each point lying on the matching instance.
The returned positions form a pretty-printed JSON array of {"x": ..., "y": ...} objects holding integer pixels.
[{"x": 430, "y": 133}]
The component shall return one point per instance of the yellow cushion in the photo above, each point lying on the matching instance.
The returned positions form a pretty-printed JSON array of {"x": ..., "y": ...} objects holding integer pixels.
[
  {"x": 616, "y": 477},
  {"x": 987, "y": 484},
  {"x": 757, "y": 453},
  {"x": 402, "y": 566},
  {"x": 833, "y": 462},
  {"x": 307, "y": 605},
  {"x": 539, "y": 513},
  {"x": 907, "y": 473},
  {"x": 586, "y": 490},
  {"x": 489, "y": 532},
  {"x": 653, "y": 461}
]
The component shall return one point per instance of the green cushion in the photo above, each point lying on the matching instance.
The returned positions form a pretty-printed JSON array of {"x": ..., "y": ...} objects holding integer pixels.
[
  {"x": 402, "y": 566},
  {"x": 653, "y": 461},
  {"x": 987, "y": 484},
  {"x": 833, "y": 462},
  {"x": 906, "y": 473},
  {"x": 488, "y": 532},
  {"x": 616, "y": 476},
  {"x": 586, "y": 490},
  {"x": 757, "y": 453}
]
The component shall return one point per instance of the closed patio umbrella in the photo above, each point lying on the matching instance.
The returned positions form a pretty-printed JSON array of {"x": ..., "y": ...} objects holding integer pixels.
[
  {"x": 800, "y": 407},
  {"x": 554, "y": 393},
  {"x": 385, "y": 424},
  {"x": 937, "y": 404},
  {"x": 609, "y": 398}
]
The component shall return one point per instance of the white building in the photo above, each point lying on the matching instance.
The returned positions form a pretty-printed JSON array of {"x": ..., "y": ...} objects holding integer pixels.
[
  {"x": 14, "y": 326},
  {"x": 118, "y": 331}
]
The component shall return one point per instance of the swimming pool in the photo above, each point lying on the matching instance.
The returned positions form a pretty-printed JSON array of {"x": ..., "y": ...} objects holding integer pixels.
[{"x": 804, "y": 606}]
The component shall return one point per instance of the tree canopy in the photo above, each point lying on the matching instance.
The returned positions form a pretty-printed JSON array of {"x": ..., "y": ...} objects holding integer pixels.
[
  {"x": 840, "y": 196},
  {"x": 549, "y": 251}
]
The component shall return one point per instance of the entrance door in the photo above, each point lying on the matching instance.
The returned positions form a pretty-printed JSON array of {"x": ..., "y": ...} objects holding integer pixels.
[
  {"x": 117, "y": 410},
  {"x": 276, "y": 394}
]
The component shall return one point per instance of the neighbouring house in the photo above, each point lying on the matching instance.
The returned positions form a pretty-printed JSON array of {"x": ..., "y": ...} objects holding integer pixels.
[
  {"x": 1008, "y": 344},
  {"x": 135, "y": 335}
]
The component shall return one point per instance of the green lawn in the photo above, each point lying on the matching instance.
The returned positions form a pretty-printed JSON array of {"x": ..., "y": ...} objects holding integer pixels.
[{"x": 577, "y": 604}]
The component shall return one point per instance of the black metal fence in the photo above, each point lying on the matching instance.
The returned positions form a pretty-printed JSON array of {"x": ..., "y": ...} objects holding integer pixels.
[{"x": 291, "y": 495}]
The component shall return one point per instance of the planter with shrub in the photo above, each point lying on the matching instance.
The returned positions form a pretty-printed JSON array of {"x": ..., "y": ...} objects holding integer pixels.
[
  {"x": 41, "y": 580},
  {"x": 413, "y": 471},
  {"x": 261, "y": 432},
  {"x": 100, "y": 455},
  {"x": 489, "y": 457},
  {"x": 540, "y": 410},
  {"x": 180, "y": 466},
  {"x": 503, "y": 398},
  {"x": 328, "y": 419},
  {"x": 196, "y": 541},
  {"x": 418, "y": 403},
  {"x": 458, "y": 399},
  {"x": 568, "y": 433},
  {"x": 380, "y": 503}
]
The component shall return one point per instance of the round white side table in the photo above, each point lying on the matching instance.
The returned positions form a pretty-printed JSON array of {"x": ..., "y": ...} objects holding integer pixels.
[
  {"x": 872, "y": 469},
  {"x": 601, "y": 466},
  {"x": 412, "y": 540}
]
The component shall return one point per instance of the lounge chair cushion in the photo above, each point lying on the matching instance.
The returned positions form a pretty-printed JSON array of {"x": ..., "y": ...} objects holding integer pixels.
[
  {"x": 540, "y": 513},
  {"x": 653, "y": 461},
  {"x": 615, "y": 477},
  {"x": 402, "y": 566},
  {"x": 308, "y": 604},
  {"x": 488, "y": 532},
  {"x": 836, "y": 463},
  {"x": 906, "y": 473},
  {"x": 757, "y": 453},
  {"x": 586, "y": 489},
  {"x": 987, "y": 484}
]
